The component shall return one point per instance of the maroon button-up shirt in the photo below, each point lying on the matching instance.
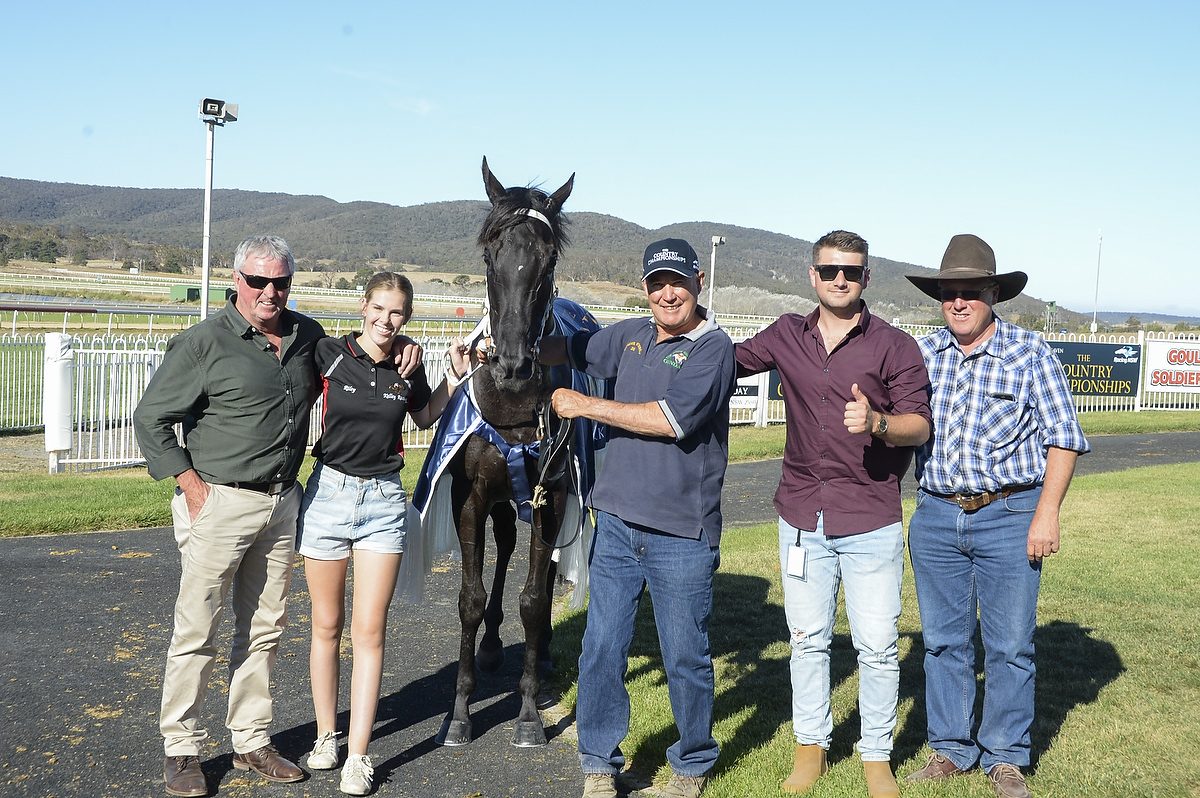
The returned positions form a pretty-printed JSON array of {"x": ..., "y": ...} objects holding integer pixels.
[{"x": 854, "y": 479}]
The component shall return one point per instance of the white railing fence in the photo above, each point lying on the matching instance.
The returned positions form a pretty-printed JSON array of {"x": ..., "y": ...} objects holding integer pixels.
[
  {"x": 21, "y": 381},
  {"x": 90, "y": 387},
  {"x": 83, "y": 389}
]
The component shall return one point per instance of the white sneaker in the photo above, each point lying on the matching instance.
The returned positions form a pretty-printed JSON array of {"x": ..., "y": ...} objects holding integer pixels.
[
  {"x": 324, "y": 755},
  {"x": 356, "y": 775}
]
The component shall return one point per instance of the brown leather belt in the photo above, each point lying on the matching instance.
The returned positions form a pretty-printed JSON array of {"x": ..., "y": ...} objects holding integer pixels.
[{"x": 970, "y": 502}]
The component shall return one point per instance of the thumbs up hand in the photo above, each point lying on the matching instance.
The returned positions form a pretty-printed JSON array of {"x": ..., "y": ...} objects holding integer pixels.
[{"x": 859, "y": 415}]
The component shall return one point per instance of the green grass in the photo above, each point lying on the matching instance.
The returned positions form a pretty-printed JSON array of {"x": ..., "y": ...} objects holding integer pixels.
[
  {"x": 1118, "y": 695},
  {"x": 758, "y": 443},
  {"x": 36, "y": 504},
  {"x": 1147, "y": 421}
]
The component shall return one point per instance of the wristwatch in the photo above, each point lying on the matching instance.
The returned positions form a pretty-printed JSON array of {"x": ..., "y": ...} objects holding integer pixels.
[{"x": 881, "y": 430}]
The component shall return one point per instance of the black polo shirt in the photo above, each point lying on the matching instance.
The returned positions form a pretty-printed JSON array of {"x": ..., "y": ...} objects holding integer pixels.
[{"x": 364, "y": 408}]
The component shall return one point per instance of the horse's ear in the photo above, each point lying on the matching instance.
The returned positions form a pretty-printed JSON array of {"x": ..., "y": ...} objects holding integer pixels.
[
  {"x": 495, "y": 190},
  {"x": 559, "y": 197}
]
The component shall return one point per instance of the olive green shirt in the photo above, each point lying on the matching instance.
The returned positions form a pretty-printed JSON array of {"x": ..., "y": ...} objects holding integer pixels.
[{"x": 244, "y": 410}]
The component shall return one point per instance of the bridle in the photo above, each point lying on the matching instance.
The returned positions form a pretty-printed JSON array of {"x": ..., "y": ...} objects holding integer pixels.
[
  {"x": 551, "y": 445},
  {"x": 546, "y": 326}
]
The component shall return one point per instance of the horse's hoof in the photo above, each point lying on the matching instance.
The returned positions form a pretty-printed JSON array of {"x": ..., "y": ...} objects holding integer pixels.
[
  {"x": 454, "y": 732},
  {"x": 489, "y": 659},
  {"x": 529, "y": 734}
]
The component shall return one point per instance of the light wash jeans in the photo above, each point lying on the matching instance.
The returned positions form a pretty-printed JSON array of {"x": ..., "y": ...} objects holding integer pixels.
[
  {"x": 679, "y": 571},
  {"x": 871, "y": 565},
  {"x": 964, "y": 562}
]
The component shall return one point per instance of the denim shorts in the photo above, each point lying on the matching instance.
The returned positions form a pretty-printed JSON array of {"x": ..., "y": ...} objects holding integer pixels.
[{"x": 340, "y": 512}]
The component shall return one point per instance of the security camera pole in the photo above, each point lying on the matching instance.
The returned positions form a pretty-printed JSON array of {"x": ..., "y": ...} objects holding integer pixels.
[
  {"x": 213, "y": 113},
  {"x": 712, "y": 270}
]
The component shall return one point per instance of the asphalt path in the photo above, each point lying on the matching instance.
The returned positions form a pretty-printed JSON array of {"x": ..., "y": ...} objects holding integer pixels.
[{"x": 85, "y": 620}]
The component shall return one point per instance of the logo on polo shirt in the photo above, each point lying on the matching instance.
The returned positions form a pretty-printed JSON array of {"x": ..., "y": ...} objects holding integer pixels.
[
  {"x": 675, "y": 359},
  {"x": 634, "y": 346},
  {"x": 349, "y": 388},
  {"x": 398, "y": 391}
]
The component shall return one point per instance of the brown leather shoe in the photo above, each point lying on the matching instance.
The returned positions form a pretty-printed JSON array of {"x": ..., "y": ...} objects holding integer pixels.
[
  {"x": 1008, "y": 782},
  {"x": 938, "y": 767},
  {"x": 183, "y": 776},
  {"x": 267, "y": 763}
]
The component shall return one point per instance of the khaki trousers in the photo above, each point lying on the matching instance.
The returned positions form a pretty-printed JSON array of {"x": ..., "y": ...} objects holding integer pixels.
[{"x": 240, "y": 541}]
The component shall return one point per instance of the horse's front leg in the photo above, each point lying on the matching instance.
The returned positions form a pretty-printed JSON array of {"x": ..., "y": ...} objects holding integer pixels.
[
  {"x": 504, "y": 530},
  {"x": 535, "y": 617},
  {"x": 471, "y": 600}
]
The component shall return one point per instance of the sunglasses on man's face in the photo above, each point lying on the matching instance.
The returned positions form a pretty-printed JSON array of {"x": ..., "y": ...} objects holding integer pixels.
[
  {"x": 967, "y": 294},
  {"x": 258, "y": 282},
  {"x": 854, "y": 274}
]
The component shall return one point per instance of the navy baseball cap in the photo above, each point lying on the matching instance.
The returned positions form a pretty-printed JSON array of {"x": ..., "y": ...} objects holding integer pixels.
[{"x": 670, "y": 254}]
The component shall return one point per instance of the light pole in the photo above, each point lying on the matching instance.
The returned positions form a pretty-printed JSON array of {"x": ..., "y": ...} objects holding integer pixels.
[
  {"x": 1096, "y": 299},
  {"x": 212, "y": 113},
  {"x": 712, "y": 270}
]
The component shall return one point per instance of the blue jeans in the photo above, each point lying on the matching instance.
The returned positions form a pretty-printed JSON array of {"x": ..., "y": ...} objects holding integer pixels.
[
  {"x": 965, "y": 562},
  {"x": 871, "y": 565},
  {"x": 679, "y": 572}
]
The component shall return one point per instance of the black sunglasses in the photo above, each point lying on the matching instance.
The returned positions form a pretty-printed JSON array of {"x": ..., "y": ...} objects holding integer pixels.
[
  {"x": 967, "y": 294},
  {"x": 258, "y": 282},
  {"x": 854, "y": 274}
]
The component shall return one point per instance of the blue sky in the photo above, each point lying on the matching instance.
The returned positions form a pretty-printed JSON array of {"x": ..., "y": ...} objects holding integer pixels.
[{"x": 1034, "y": 125}]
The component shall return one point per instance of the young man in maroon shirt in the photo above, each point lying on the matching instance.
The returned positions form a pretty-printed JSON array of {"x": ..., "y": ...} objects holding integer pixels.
[{"x": 857, "y": 398}]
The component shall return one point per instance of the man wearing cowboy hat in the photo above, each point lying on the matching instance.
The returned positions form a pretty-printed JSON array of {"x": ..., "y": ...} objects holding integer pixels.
[{"x": 992, "y": 479}]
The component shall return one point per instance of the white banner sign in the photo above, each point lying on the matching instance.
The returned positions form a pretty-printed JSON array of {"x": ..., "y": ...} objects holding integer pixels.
[
  {"x": 746, "y": 394},
  {"x": 1173, "y": 366}
]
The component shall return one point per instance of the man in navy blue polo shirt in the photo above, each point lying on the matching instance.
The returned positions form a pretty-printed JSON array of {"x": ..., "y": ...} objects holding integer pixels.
[{"x": 658, "y": 505}]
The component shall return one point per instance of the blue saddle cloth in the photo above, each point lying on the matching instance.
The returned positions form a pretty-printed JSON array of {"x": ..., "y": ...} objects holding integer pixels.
[{"x": 461, "y": 419}]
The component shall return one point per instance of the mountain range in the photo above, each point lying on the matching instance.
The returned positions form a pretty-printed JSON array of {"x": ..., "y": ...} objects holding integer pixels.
[{"x": 440, "y": 236}]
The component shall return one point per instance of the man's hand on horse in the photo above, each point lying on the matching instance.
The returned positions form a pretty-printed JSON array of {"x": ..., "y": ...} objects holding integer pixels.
[
  {"x": 407, "y": 355},
  {"x": 568, "y": 403}
]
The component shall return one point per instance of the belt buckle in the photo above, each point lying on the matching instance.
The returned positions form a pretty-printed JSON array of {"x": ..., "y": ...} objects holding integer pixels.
[{"x": 975, "y": 501}]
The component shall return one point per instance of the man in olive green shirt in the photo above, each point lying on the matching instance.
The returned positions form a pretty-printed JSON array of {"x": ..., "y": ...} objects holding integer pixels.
[{"x": 242, "y": 383}]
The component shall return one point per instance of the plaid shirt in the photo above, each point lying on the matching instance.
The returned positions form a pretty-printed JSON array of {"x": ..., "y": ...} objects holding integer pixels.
[{"x": 995, "y": 412}]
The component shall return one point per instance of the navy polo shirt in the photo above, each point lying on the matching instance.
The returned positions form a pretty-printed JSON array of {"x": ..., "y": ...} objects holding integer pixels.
[
  {"x": 669, "y": 485},
  {"x": 364, "y": 407}
]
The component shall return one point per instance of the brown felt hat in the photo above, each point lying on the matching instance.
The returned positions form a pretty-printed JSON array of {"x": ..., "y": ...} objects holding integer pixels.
[{"x": 968, "y": 257}]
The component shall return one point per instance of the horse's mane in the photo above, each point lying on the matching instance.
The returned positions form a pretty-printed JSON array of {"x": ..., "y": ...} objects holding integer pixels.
[{"x": 503, "y": 216}]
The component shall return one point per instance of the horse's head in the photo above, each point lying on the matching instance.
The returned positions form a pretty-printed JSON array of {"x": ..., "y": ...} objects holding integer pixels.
[{"x": 521, "y": 240}]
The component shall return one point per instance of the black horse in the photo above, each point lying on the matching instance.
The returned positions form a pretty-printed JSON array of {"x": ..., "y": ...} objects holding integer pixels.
[{"x": 521, "y": 240}]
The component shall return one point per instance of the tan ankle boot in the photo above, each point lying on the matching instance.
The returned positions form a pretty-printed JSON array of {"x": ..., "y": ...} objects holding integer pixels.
[
  {"x": 808, "y": 765},
  {"x": 880, "y": 781}
]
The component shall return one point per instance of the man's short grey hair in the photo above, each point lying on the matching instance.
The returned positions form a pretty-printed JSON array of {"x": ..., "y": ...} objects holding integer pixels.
[{"x": 272, "y": 247}]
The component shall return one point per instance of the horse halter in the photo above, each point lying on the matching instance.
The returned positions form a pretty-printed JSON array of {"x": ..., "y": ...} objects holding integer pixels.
[
  {"x": 532, "y": 213},
  {"x": 536, "y": 214}
]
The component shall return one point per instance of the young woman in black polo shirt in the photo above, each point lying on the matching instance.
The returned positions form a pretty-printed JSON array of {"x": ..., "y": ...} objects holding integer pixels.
[{"x": 354, "y": 502}]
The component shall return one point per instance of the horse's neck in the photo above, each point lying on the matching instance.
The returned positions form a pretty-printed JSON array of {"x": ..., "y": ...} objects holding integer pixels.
[{"x": 515, "y": 414}]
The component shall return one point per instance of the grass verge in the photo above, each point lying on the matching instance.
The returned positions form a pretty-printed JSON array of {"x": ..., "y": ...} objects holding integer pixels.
[
  {"x": 38, "y": 503},
  {"x": 1118, "y": 659}
]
